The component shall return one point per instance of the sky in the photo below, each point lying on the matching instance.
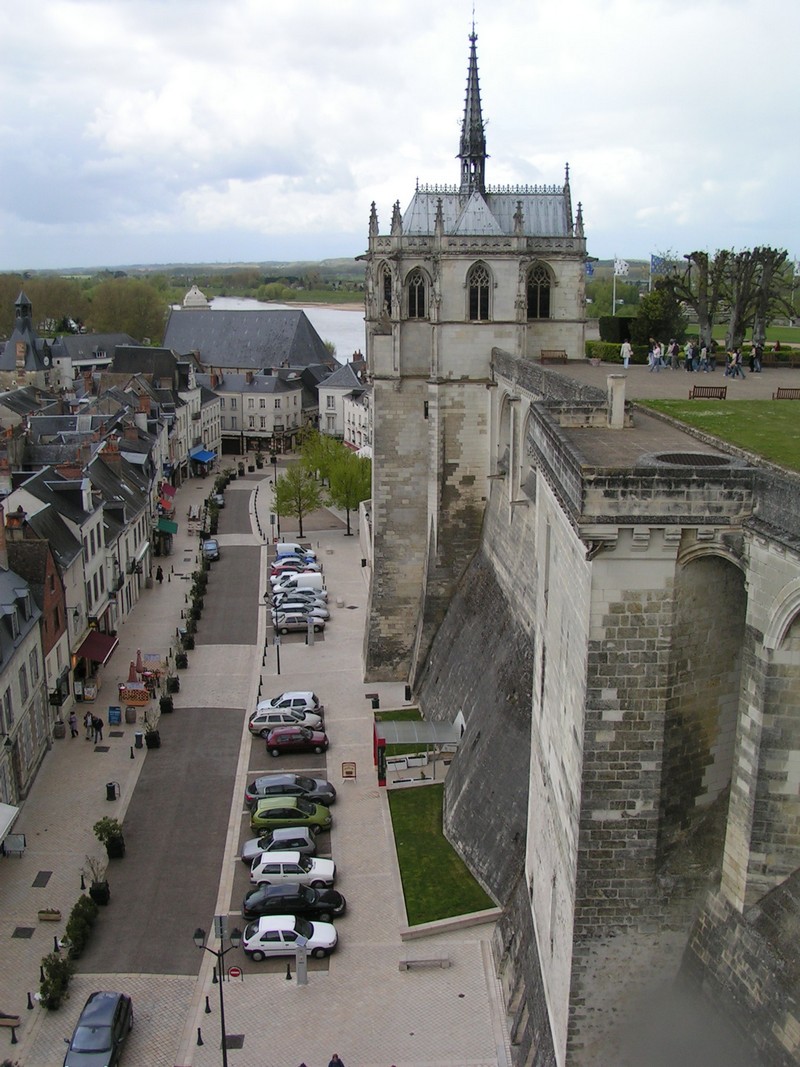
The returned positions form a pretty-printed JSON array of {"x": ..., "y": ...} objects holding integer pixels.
[{"x": 227, "y": 131}]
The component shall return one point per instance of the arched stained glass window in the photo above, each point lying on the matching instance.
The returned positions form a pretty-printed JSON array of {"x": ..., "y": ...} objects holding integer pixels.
[
  {"x": 538, "y": 292},
  {"x": 417, "y": 295},
  {"x": 478, "y": 283}
]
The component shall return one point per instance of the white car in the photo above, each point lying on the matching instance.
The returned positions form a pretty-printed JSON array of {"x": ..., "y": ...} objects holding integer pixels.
[
  {"x": 307, "y": 596},
  {"x": 281, "y": 839},
  {"x": 276, "y": 935},
  {"x": 276, "y": 868},
  {"x": 294, "y": 700},
  {"x": 298, "y": 607},
  {"x": 278, "y": 579},
  {"x": 265, "y": 719}
]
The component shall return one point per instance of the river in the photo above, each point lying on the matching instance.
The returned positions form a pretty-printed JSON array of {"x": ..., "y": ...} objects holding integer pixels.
[{"x": 344, "y": 327}]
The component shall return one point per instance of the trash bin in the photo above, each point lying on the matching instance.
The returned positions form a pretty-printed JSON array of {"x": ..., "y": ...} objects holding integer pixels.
[
  {"x": 138, "y": 739},
  {"x": 112, "y": 790}
]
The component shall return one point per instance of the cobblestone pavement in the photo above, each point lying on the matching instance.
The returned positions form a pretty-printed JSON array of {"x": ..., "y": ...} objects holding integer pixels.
[{"x": 362, "y": 1005}]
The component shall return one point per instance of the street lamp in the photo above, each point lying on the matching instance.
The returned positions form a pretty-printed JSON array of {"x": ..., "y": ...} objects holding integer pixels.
[{"x": 220, "y": 924}]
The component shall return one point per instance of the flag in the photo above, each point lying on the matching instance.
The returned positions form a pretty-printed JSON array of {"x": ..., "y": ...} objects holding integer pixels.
[
  {"x": 658, "y": 265},
  {"x": 620, "y": 267},
  {"x": 589, "y": 270}
]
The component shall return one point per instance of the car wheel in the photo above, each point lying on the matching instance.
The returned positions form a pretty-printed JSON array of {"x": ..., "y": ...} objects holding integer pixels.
[
  {"x": 319, "y": 953},
  {"x": 317, "y": 629},
  {"x": 265, "y": 734},
  {"x": 318, "y": 885},
  {"x": 325, "y": 917},
  {"x": 315, "y": 830},
  {"x": 274, "y": 752},
  {"x": 130, "y": 1020},
  {"x": 257, "y": 956},
  {"x": 319, "y": 749},
  {"x": 284, "y": 630}
]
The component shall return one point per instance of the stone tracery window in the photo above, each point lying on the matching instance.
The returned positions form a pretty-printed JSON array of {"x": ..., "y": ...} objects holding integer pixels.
[
  {"x": 538, "y": 292},
  {"x": 387, "y": 289},
  {"x": 417, "y": 295},
  {"x": 478, "y": 284}
]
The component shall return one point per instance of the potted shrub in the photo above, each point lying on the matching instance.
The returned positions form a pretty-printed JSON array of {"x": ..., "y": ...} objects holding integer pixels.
[
  {"x": 56, "y": 972},
  {"x": 108, "y": 832},
  {"x": 152, "y": 738},
  {"x": 49, "y": 915},
  {"x": 173, "y": 683},
  {"x": 165, "y": 704},
  {"x": 181, "y": 659}
]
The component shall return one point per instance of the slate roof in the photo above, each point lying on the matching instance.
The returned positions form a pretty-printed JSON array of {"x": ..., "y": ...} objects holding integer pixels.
[
  {"x": 344, "y": 378},
  {"x": 22, "y": 401},
  {"x": 84, "y": 346},
  {"x": 48, "y": 524},
  {"x": 247, "y": 340},
  {"x": 545, "y": 211}
]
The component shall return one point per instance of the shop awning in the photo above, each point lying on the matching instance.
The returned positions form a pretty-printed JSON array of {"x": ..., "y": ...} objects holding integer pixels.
[
  {"x": 98, "y": 647},
  {"x": 8, "y": 814},
  {"x": 167, "y": 526},
  {"x": 202, "y": 455}
]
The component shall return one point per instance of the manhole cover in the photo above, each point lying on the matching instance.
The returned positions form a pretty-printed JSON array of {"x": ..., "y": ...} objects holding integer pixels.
[
  {"x": 23, "y": 931},
  {"x": 116, "y": 733},
  {"x": 234, "y": 1041},
  {"x": 41, "y": 879},
  {"x": 102, "y": 748}
]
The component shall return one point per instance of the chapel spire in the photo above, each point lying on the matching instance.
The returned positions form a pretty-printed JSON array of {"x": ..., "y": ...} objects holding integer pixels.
[{"x": 472, "y": 151}]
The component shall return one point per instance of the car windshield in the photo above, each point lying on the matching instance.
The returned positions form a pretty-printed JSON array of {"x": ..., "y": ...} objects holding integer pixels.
[
  {"x": 304, "y": 732},
  {"x": 307, "y": 894},
  {"x": 306, "y": 783},
  {"x": 91, "y": 1039},
  {"x": 305, "y": 806},
  {"x": 304, "y": 927},
  {"x": 304, "y": 863}
]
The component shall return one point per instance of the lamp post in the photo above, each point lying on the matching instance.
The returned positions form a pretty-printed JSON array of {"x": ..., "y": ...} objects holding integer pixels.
[{"x": 220, "y": 924}]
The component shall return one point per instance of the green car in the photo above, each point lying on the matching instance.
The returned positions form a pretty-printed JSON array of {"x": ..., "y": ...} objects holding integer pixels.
[{"x": 273, "y": 812}]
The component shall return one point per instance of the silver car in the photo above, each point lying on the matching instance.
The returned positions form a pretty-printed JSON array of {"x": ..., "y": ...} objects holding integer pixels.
[
  {"x": 294, "y": 623},
  {"x": 293, "y": 838}
]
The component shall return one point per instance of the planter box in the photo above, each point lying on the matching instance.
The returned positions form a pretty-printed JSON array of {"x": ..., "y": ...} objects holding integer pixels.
[{"x": 49, "y": 915}]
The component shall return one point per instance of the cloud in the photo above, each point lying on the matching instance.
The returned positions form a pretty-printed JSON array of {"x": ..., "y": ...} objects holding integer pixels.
[{"x": 140, "y": 117}]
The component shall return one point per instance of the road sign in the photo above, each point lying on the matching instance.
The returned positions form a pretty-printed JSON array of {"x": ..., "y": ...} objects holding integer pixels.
[{"x": 234, "y": 972}]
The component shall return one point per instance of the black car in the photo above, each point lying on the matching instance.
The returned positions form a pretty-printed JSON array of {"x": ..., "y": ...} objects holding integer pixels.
[
  {"x": 99, "y": 1035},
  {"x": 290, "y": 899}
]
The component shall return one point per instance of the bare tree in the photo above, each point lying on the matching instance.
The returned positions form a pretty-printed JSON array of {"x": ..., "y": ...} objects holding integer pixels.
[{"x": 699, "y": 285}]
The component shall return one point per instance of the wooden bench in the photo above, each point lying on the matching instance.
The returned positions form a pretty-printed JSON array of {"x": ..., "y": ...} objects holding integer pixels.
[
  {"x": 408, "y": 962},
  {"x": 14, "y": 845},
  {"x": 708, "y": 392},
  {"x": 552, "y": 355},
  {"x": 8, "y": 1020},
  {"x": 784, "y": 392}
]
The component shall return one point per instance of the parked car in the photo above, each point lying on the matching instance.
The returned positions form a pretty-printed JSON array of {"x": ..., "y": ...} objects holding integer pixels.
[
  {"x": 296, "y": 700},
  {"x": 211, "y": 549},
  {"x": 282, "y": 839},
  {"x": 271, "y": 812},
  {"x": 299, "y": 596},
  {"x": 100, "y": 1032},
  {"x": 290, "y": 785},
  {"x": 294, "y": 563},
  {"x": 295, "y": 607},
  {"x": 286, "y": 623},
  {"x": 285, "y": 739},
  {"x": 292, "y": 548},
  {"x": 320, "y": 904},
  {"x": 261, "y": 722},
  {"x": 280, "y": 577},
  {"x": 276, "y": 868},
  {"x": 302, "y": 580},
  {"x": 275, "y": 935}
]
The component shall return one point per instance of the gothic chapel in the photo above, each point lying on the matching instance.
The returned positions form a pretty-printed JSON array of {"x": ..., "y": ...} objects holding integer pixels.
[{"x": 467, "y": 268}]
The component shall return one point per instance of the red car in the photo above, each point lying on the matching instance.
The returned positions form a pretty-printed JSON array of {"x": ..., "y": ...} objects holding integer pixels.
[{"x": 295, "y": 739}]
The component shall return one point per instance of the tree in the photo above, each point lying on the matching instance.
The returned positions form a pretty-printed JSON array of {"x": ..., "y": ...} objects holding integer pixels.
[
  {"x": 128, "y": 305},
  {"x": 319, "y": 452},
  {"x": 351, "y": 482},
  {"x": 659, "y": 315},
  {"x": 774, "y": 292},
  {"x": 699, "y": 285},
  {"x": 296, "y": 494}
]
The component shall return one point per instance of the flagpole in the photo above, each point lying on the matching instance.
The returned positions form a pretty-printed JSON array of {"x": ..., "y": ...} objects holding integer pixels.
[{"x": 614, "y": 288}]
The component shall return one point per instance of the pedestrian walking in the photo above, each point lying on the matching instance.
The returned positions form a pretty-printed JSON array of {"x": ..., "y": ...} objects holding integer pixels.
[
  {"x": 97, "y": 726},
  {"x": 335, "y": 1061},
  {"x": 73, "y": 724},
  {"x": 159, "y": 575},
  {"x": 88, "y": 722},
  {"x": 626, "y": 351}
]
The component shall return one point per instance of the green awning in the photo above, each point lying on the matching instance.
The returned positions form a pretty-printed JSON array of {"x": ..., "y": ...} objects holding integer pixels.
[{"x": 167, "y": 526}]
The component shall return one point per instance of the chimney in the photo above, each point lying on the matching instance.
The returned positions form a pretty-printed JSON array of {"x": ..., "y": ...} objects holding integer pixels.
[
  {"x": 249, "y": 377},
  {"x": 615, "y": 385},
  {"x": 111, "y": 452},
  {"x": 131, "y": 433},
  {"x": 15, "y": 523},
  {"x": 3, "y": 545},
  {"x": 21, "y": 352},
  {"x": 144, "y": 404},
  {"x": 214, "y": 380}
]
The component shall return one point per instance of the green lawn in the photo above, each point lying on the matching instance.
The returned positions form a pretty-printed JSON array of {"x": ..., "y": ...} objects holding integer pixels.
[
  {"x": 770, "y": 428},
  {"x": 789, "y": 335},
  {"x": 436, "y": 883}
]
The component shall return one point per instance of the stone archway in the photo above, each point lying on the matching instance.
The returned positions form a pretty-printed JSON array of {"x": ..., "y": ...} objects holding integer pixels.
[{"x": 701, "y": 713}]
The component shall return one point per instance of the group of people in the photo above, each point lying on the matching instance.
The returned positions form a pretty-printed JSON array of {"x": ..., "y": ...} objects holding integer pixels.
[
  {"x": 697, "y": 357},
  {"x": 93, "y": 724}
]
